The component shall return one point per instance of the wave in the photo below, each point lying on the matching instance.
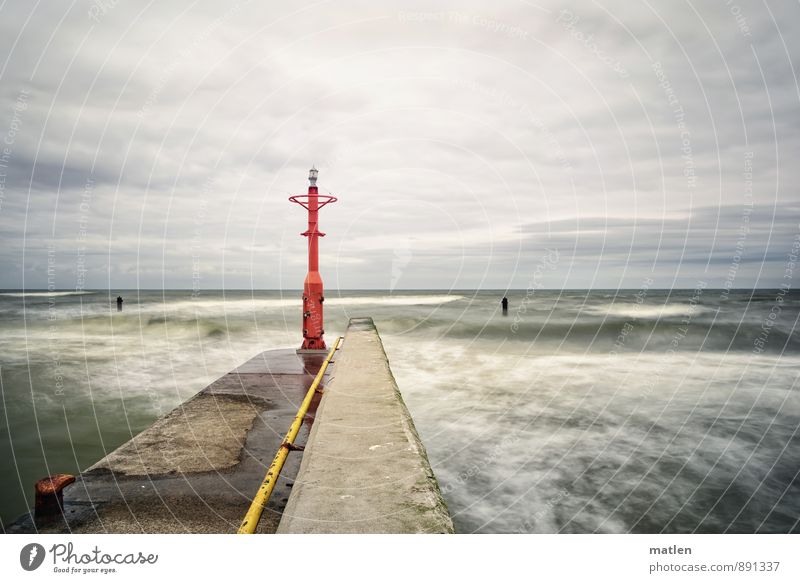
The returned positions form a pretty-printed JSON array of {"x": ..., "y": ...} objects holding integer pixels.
[
  {"x": 617, "y": 334},
  {"x": 645, "y": 312},
  {"x": 233, "y": 307},
  {"x": 45, "y": 294},
  {"x": 295, "y": 300},
  {"x": 426, "y": 300}
]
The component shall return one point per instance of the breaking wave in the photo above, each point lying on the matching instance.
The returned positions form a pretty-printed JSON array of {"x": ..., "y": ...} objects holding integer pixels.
[{"x": 45, "y": 294}]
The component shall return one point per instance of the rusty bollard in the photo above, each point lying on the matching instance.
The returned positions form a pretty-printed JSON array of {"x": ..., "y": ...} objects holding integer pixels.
[{"x": 50, "y": 497}]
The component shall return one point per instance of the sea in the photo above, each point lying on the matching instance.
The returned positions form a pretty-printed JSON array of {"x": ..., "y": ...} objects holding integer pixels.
[{"x": 577, "y": 411}]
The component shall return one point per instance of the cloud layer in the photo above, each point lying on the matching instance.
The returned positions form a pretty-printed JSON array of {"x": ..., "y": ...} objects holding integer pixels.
[{"x": 155, "y": 145}]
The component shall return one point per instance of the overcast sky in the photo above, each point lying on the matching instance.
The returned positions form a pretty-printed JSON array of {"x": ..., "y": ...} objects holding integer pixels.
[{"x": 155, "y": 145}]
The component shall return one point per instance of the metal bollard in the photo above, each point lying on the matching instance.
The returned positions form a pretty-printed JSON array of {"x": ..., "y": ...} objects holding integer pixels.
[{"x": 50, "y": 497}]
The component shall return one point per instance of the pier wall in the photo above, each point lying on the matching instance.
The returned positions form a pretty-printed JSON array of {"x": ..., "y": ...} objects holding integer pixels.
[{"x": 365, "y": 469}]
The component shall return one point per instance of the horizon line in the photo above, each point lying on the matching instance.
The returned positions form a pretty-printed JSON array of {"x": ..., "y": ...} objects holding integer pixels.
[{"x": 521, "y": 289}]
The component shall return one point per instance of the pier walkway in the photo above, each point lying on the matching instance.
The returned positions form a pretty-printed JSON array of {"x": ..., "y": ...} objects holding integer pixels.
[{"x": 365, "y": 469}]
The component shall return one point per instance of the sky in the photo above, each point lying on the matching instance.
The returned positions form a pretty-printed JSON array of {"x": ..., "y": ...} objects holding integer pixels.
[{"x": 471, "y": 145}]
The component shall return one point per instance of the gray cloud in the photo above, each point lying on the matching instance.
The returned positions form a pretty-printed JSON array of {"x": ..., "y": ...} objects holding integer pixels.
[{"x": 463, "y": 141}]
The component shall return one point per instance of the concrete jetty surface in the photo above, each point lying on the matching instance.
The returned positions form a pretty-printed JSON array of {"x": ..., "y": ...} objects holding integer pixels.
[
  {"x": 196, "y": 469},
  {"x": 365, "y": 469}
]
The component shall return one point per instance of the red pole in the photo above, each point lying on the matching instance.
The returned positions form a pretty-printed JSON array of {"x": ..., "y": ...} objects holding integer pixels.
[{"x": 313, "y": 292}]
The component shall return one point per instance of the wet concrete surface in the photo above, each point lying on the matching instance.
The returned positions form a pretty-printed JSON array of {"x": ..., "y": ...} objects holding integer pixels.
[
  {"x": 365, "y": 469},
  {"x": 196, "y": 469}
]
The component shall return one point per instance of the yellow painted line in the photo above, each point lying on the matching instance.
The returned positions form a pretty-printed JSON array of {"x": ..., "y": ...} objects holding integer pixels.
[{"x": 261, "y": 498}]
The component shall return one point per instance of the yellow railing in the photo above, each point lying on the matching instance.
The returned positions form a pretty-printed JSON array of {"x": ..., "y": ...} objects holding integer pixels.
[{"x": 261, "y": 498}]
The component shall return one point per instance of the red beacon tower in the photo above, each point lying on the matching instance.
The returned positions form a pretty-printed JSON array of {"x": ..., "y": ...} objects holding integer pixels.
[{"x": 313, "y": 294}]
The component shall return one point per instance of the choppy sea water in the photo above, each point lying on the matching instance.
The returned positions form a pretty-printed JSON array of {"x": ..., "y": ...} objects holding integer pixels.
[{"x": 579, "y": 411}]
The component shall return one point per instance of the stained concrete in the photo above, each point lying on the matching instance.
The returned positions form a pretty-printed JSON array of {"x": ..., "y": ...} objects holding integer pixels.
[
  {"x": 365, "y": 469},
  {"x": 196, "y": 469},
  {"x": 206, "y": 433}
]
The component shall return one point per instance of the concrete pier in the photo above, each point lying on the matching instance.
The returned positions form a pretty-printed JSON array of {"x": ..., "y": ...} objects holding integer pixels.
[{"x": 365, "y": 469}]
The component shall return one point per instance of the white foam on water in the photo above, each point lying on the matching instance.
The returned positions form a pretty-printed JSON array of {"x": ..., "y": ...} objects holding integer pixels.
[
  {"x": 44, "y": 294},
  {"x": 233, "y": 307},
  {"x": 427, "y": 300},
  {"x": 583, "y": 432},
  {"x": 643, "y": 311}
]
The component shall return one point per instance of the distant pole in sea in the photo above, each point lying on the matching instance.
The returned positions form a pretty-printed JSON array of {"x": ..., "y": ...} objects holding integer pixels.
[{"x": 313, "y": 293}]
